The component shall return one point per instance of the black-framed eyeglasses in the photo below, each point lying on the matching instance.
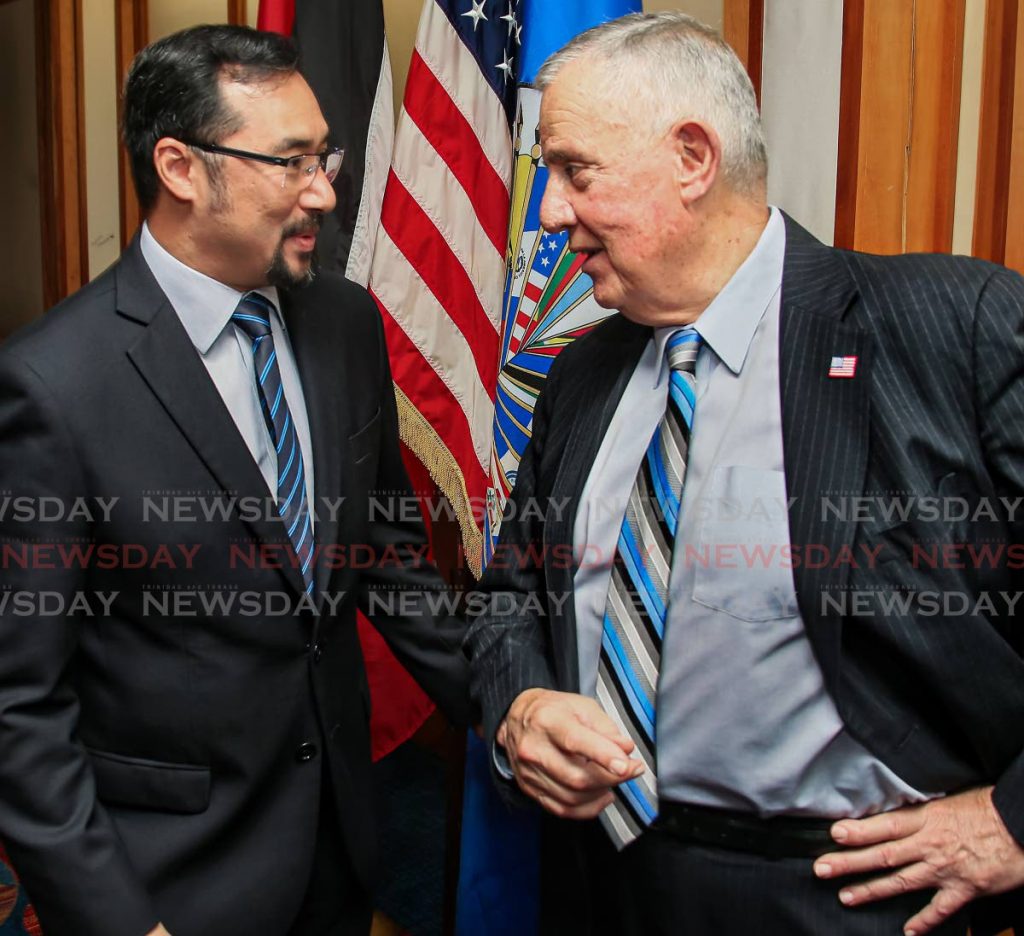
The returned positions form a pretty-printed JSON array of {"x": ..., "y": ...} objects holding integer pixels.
[{"x": 299, "y": 171}]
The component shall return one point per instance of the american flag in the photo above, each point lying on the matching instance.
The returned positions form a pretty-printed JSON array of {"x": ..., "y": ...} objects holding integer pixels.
[
  {"x": 438, "y": 266},
  {"x": 843, "y": 366}
]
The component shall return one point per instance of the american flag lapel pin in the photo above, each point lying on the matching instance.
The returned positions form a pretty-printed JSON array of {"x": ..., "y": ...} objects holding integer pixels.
[{"x": 843, "y": 366}]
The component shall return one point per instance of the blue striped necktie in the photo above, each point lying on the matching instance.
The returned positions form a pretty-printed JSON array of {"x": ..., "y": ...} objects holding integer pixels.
[
  {"x": 634, "y": 617},
  {"x": 253, "y": 317}
]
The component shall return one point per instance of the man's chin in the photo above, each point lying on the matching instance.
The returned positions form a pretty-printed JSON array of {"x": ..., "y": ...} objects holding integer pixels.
[
  {"x": 288, "y": 273},
  {"x": 605, "y": 296}
]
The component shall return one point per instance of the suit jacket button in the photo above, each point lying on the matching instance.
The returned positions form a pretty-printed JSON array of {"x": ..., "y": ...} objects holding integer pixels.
[
  {"x": 317, "y": 653},
  {"x": 306, "y": 752}
]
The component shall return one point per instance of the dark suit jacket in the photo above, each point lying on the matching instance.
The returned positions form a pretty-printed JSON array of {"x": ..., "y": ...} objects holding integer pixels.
[
  {"x": 936, "y": 408},
  {"x": 166, "y": 762}
]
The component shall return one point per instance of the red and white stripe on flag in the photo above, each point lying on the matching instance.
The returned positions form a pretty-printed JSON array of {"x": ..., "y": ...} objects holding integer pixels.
[{"x": 438, "y": 267}]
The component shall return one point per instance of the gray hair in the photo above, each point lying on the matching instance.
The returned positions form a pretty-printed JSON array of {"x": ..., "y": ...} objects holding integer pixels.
[{"x": 683, "y": 69}]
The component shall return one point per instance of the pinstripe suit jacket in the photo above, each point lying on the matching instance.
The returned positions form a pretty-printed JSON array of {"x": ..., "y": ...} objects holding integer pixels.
[{"x": 936, "y": 409}]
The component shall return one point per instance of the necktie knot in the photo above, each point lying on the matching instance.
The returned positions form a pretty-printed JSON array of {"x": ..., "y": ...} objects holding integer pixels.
[
  {"x": 682, "y": 349},
  {"x": 252, "y": 315}
]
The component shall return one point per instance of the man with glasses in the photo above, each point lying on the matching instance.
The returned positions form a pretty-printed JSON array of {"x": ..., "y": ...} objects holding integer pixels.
[{"x": 196, "y": 439}]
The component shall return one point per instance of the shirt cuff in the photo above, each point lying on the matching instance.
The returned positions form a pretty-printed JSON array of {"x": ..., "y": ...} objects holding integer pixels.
[{"x": 500, "y": 759}]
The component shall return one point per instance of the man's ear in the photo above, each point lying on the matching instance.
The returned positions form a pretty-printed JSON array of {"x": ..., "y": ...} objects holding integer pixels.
[
  {"x": 699, "y": 152},
  {"x": 177, "y": 167}
]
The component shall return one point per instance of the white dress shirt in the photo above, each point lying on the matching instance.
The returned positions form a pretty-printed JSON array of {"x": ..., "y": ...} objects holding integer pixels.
[{"x": 205, "y": 307}]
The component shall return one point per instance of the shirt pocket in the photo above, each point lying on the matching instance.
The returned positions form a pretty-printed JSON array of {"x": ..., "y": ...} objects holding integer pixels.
[{"x": 744, "y": 557}]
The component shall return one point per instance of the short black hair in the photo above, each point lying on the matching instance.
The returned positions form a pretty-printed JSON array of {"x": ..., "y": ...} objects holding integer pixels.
[{"x": 173, "y": 89}]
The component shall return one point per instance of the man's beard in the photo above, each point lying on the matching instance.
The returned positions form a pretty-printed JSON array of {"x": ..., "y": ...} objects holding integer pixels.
[{"x": 279, "y": 274}]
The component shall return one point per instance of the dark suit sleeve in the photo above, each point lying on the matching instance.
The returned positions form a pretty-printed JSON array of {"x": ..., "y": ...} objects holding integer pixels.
[
  {"x": 999, "y": 385},
  {"x": 508, "y": 640},
  {"x": 60, "y": 840},
  {"x": 411, "y": 606}
]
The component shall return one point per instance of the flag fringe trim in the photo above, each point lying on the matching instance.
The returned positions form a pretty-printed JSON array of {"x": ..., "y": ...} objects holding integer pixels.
[{"x": 428, "y": 447}]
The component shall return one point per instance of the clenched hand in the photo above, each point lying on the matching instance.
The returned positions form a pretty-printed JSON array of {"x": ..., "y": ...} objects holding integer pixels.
[{"x": 566, "y": 752}]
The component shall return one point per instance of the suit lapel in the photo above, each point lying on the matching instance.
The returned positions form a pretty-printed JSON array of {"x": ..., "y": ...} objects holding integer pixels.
[
  {"x": 167, "y": 361},
  {"x": 328, "y": 418},
  {"x": 825, "y": 422},
  {"x": 599, "y": 381}
]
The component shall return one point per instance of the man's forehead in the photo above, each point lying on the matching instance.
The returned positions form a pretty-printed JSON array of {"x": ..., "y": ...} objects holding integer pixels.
[
  {"x": 579, "y": 90},
  {"x": 236, "y": 88},
  {"x": 573, "y": 121},
  {"x": 282, "y": 111}
]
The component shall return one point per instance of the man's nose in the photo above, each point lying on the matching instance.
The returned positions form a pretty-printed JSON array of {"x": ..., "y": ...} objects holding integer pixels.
[
  {"x": 320, "y": 195},
  {"x": 556, "y": 212}
]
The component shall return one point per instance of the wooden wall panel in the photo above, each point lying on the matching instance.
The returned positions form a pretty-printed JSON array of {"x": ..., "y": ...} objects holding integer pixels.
[
  {"x": 899, "y": 124},
  {"x": 848, "y": 158},
  {"x": 61, "y": 108},
  {"x": 238, "y": 14},
  {"x": 743, "y": 29},
  {"x": 884, "y": 125},
  {"x": 935, "y": 123},
  {"x": 996, "y": 129},
  {"x": 1014, "y": 251}
]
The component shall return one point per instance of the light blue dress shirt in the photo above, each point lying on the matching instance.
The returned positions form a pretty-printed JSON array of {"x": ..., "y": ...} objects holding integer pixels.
[
  {"x": 205, "y": 307},
  {"x": 743, "y": 718}
]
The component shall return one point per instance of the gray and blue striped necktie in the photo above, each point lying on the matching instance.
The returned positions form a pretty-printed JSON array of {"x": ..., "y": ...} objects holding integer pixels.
[
  {"x": 635, "y": 612},
  {"x": 252, "y": 316}
]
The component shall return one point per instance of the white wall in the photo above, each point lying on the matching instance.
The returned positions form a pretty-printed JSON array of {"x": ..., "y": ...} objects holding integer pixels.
[
  {"x": 800, "y": 70},
  {"x": 167, "y": 16},
  {"x": 101, "y": 90}
]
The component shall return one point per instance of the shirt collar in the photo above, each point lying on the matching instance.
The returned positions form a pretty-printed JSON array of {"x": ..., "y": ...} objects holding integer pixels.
[
  {"x": 204, "y": 305},
  {"x": 728, "y": 324}
]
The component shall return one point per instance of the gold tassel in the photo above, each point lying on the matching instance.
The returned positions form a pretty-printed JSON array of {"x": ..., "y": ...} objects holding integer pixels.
[{"x": 427, "y": 446}]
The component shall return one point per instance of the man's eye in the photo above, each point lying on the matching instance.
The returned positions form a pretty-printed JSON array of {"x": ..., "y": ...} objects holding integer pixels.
[{"x": 576, "y": 175}]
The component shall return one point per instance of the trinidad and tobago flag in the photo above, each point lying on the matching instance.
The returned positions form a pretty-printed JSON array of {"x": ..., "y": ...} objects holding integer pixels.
[{"x": 344, "y": 57}]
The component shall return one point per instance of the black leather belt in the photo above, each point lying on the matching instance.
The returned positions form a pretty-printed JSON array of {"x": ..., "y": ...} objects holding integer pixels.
[{"x": 777, "y": 837}]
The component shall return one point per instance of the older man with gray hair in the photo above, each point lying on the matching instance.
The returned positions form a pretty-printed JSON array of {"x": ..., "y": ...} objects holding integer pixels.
[{"x": 770, "y": 711}]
